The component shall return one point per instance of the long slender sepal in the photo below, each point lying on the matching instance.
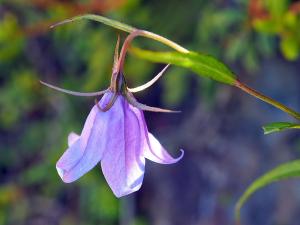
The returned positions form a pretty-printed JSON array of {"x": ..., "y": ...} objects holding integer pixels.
[
  {"x": 116, "y": 54},
  {"x": 97, "y": 18},
  {"x": 75, "y": 93},
  {"x": 109, "y": 105},
  {"x": 150, "y": 83},
  {"x": 143, "y": 107}
]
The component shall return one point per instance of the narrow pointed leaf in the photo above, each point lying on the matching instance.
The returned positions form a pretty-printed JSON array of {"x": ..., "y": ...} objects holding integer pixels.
[
  {"x": 75, "y": 93},
  {"x": 113, "y": 23},
  {"x": 203, "y": 65},
  {"x": 279, "y": 126},
  {"x": 284, "y": 171},
  {"x": 124, "y": 27}
]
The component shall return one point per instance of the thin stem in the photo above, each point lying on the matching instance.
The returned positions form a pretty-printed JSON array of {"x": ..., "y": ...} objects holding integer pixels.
[
  {"x": 116, "y": 54},
  {"x": 164, "y": 40},
  {"x": 266, "y": 99},
  {"x": 125, "y": 47},
  {"x": 147, "y": 34}
]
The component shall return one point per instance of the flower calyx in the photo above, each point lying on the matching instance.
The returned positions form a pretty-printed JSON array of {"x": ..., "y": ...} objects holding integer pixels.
[{"x": 118, "y": 84}]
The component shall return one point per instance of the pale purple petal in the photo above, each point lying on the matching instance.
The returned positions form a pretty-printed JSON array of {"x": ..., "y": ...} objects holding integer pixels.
[
  {"x": 158, "y": 154},
  {"x": 71, "y": 156},
  {"x": 72, "y": 138},
  {"x": 87, "y": 150},
  {"x": 123, "y": 164},
  {"x": 151, "y": 147}
]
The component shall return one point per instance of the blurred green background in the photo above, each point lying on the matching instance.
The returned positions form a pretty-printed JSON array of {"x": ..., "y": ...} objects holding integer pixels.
[{"x": 219, "y": 127}]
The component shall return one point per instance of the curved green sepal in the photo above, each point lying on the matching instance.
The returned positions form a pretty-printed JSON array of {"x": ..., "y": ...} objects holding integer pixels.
[
  {"x": 279, "y": 126},
  {"x": 283, "y": 171},
  {"x": 201, "y": 64}
]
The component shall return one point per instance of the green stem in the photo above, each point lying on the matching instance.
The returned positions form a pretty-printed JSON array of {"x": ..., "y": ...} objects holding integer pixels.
[
  {"x": 164, "y": 40},
  {"x": 267, "y": 99},
  {"x": 156, "y": 37}
]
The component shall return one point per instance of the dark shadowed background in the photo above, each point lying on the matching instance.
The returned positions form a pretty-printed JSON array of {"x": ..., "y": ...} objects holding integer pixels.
[{"x": 219, "y": 127}]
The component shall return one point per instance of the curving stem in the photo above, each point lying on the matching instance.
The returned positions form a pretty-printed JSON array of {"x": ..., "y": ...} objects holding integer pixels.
[{"x": 267, "y": 99}]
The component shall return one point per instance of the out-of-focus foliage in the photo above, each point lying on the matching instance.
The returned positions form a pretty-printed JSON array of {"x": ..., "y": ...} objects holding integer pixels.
[
  {"x": 237, "y": 41},
  {"x": 282, "y": 172},
  {"x": 251, "y": 33},
  {"x": 35, "y": 121},
  {"x": 279, "y": 18},
  {"x": 10, "y": 34}
]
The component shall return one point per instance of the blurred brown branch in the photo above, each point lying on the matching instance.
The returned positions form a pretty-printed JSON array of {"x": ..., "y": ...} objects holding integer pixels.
[
  {"x": 96, "y": 6},
  {"x": 295, "y": 7},
  {"x": 257, "y": 10}
]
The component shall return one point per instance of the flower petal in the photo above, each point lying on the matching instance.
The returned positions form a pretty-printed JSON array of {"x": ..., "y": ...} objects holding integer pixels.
[
  {"x": 71, "y": 156},
  {"x": 87, "y": 150},
  {"x": 72, "y": 138},
  {"x": 152, "y": 149},
  {"x": 123, "y": 164},
  {"x": 158, "y": 154}
]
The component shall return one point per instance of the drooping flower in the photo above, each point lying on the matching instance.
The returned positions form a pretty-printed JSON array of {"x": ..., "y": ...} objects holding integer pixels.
[{"x": 116, "y": 135}]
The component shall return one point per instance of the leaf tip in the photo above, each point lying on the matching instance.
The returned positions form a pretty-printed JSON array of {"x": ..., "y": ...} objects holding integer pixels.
[
  {"x": 265, "y": 130},
  {"x": 61, "y": 23},
  {"x": 237, "y": 213}
]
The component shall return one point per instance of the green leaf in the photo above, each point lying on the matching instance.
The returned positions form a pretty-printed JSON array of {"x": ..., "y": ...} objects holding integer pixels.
[
  {"x": 277, "y": 8},
  {"x": 279, "y": 126},
  {"x": 126, "y": 28},
  {"x": 284, "y": 171},
  {"x": 290, "y": 47},
  {"x": 269, "y": 26},
  {"x": 201, "y": 64},
  {"x": 109, "y": 22}
]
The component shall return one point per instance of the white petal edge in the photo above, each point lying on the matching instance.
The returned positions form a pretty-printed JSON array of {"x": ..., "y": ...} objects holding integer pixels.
[
  {"x": 72, "y": 138},
  {"x": 157, "y": 153}
]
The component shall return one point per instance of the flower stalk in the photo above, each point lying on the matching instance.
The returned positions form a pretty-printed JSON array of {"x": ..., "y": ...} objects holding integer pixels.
[
  {"x": 267, "y": 99},
  {"x": 115, "y": 134},
  {"x": 136, "y": 32}
]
